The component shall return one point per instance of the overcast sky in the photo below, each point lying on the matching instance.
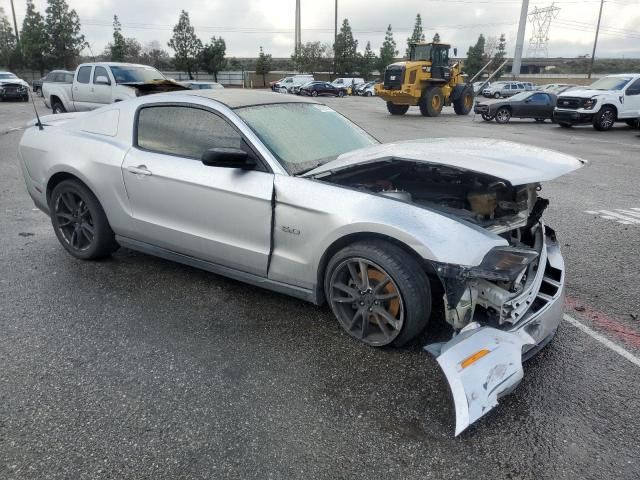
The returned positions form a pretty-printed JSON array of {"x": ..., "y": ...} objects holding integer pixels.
[{"x": 248, "y": 24}]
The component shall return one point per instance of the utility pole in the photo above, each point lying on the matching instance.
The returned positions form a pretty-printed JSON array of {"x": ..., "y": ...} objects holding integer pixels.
[
  {"x": 335, "y": 36},
  {"x": 298, "y": 39},
  {"x": 15, "y": 24},
  {"x": 595, "y": 41},
  {"x": 522, "y": 26}
]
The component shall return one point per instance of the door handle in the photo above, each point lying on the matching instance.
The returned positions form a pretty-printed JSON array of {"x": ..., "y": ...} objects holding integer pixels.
[{"x": 139, "y": 170}]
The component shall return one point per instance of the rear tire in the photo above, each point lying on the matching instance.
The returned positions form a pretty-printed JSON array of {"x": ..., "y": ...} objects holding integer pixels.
[
  {"x": 79, "y": 221},
  {"x": 57, "y": 107},
  {"x": 314, "y": 93},
  {"x": 464, "y": 104},
  {"x": 503, "y": 115},
  {"x": 395, "y": 303},
  {"x": 431, "y": 102},
  {"x": 604, "y": 119},
  {"x": 340, "y": 93},
  {"x": 565, "y": 125},
  {"x": 397, "y": 109},
  {"x": 633, "y": 123}
]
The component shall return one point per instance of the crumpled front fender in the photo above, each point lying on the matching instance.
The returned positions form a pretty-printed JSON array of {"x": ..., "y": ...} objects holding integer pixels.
[{"x": 481, "y": 364}]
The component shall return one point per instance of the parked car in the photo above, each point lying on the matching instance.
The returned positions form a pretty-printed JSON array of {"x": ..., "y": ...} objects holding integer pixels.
[
  {"x": 215, "y": 179},
  {"x": 315, "y": 89},
  {"x": 54, "y": 76},
  {"x": 556, "y": 88},
  {"x": 534, "y": 104},
  {"x": 528, "y": 86},
  {"x": 12, "y": 87},
  {"x": 503, "y": 89},
  {"x": 614, "y": 98},
  {"x": 101, "y": 83},
  {"x": 199, "y": 85},
  {"x": 480, "y": 86},
  {"x": 274, "y": 85},
  {"x": 366, "y": 89},
  {"x": 287, "y": 85},
  {"x": 347, "y": 82}
]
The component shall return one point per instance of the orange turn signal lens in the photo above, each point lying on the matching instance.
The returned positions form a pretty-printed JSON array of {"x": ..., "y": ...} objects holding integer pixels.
[{"x": 474, "y": 358}]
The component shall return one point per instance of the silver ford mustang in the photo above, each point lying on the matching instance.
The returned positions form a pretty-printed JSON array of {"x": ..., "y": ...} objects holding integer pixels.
[{"x": 285, "y": 193}]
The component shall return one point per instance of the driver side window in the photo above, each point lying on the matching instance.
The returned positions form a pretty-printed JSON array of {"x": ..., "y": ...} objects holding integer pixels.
[
  {"x": 634, "y": 88},
  {"x": 184, "y": 131}
]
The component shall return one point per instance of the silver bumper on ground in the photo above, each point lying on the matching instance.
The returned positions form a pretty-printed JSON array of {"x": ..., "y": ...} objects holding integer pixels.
[{"x": 484, "y": 363}]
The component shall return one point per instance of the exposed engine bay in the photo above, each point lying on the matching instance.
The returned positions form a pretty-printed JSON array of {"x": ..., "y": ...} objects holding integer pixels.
[
  {"x": 479, "y": 198},
  {"x": 501, "y": 290}
]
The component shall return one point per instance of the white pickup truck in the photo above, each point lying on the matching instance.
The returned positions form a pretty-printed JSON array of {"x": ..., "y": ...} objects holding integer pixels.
[
  {"x": 614, "y": 98},
  {"x": 98, "y": 84}
]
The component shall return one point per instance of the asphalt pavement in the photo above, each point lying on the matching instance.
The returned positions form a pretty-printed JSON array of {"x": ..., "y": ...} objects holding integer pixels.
[{"x": 135, "y": 367}]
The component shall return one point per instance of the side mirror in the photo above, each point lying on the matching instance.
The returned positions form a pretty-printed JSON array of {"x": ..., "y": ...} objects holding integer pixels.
[
  {"x": 228, "y": 158},
  {"x": 102, "y": 80}
]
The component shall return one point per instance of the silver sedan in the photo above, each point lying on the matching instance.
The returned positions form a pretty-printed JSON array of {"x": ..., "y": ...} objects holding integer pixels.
[{"x": 285, "y": 193}]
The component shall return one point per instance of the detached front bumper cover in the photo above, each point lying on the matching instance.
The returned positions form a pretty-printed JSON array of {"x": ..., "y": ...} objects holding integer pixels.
[{"x": 481, "y": 364}]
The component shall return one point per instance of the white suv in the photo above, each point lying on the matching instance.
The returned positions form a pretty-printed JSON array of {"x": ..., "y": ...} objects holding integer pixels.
[
  {"x": 504, "y": 89},
  {"x": 608, "y": 100}
]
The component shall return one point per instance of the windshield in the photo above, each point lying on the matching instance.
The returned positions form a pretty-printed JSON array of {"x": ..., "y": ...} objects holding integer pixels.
[
  {"x": 5, "y": 76},
  {"x": 303, "y": 136},
  {"x": 130, "y": 74},
  {"x": 610, "y": 83},
  {"x": 521, "y": 96},
  {"x": 420, "y": 52}
]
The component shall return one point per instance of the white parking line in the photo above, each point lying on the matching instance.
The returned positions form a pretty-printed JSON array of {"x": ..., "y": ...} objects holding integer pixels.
[
  {"x": 624, "y": 216},
  {"x": 603, "y": 340}
]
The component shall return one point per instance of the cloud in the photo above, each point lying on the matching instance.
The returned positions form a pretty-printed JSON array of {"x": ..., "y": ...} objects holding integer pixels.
[{"x": 248, "y": 24}]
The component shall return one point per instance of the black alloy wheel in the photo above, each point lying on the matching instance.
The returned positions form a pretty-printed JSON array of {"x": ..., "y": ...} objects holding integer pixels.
[
  {"x": 487, "y": 117},
  {"x": 79, "y": 221}
]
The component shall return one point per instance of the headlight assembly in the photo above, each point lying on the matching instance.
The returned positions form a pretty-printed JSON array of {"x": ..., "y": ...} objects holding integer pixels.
[
  {"x": 589, "y": 104},
  {"x": 499, "y": 264}
]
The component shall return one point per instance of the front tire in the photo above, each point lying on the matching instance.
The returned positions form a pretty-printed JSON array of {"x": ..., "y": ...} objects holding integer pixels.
[
  {"x": 57, "y": 107},
  {"x": 397, "y": 109},
  {"x": 503, "y": 115},
  {"x": 378, "y": 292},
  {"x": 431, "y": 102},
  {"x": 463, "y": 105},
  {"x": 79, "y": 221},
  {"x": 487, "y": 117},
  {"x": 496, "y": 95},
  {"x": 604, "y": 119},
  {"x": 367, "y": 94},
  {"x": 314, "y": 93},
  {"x": 340, "y": 93}
]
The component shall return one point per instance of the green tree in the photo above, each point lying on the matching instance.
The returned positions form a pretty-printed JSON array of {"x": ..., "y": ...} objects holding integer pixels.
[
  {"x": 345, "y": 50},
  {"x": 475, "y": 57},
  {"x": 263, "y": 66},
  {"x": 368, "y": 62},
  {"x": 133, "y": 50},
  {"x": 212, "y": 56},
  {"x": 33, "y": 39},
  {"x": 7, "y": 41},
  {"x": 118, "y": 49},
  {"x": 417, "y": 35},
  {"x": 499, "y": 56},
  {"x": 185, "y": 44},
  {"x": 64, "y": 40},
  {"x": 312, "y": 57},
  {"x": 436, "y": 38},
  {"x": 388, "y": 51}
]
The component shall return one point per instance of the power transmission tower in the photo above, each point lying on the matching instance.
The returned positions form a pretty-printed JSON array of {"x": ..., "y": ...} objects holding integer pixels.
[{"x": 541, "y": 20}]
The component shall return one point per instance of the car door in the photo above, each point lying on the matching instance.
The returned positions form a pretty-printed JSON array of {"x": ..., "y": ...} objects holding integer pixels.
[
  {"x": 631, "y": 105},
  {"x": 81, "y": 89},
  {"x": 101, "y": 91},
  {"x": 536, "y": 106},
  {"x": 221, "y": 215}
]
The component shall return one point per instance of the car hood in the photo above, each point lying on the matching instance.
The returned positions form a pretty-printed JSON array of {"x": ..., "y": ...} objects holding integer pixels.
[
  {"x": 584, "y": 93},
  {"x": 515, "y": 163},
  {"x": 13, "y": 81}
]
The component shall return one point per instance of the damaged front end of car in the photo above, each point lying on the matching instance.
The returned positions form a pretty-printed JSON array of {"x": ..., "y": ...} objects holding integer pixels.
[
  {"x": 503, "y": 311},
  {"x": 508, "y": 305}
]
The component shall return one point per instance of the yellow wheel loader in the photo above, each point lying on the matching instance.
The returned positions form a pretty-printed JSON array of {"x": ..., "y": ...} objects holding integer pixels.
[{"x": 425, "y": 80}]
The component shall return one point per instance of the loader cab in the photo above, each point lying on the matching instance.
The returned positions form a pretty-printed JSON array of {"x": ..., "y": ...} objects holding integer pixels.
[{"x": 436, "y": 53}]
